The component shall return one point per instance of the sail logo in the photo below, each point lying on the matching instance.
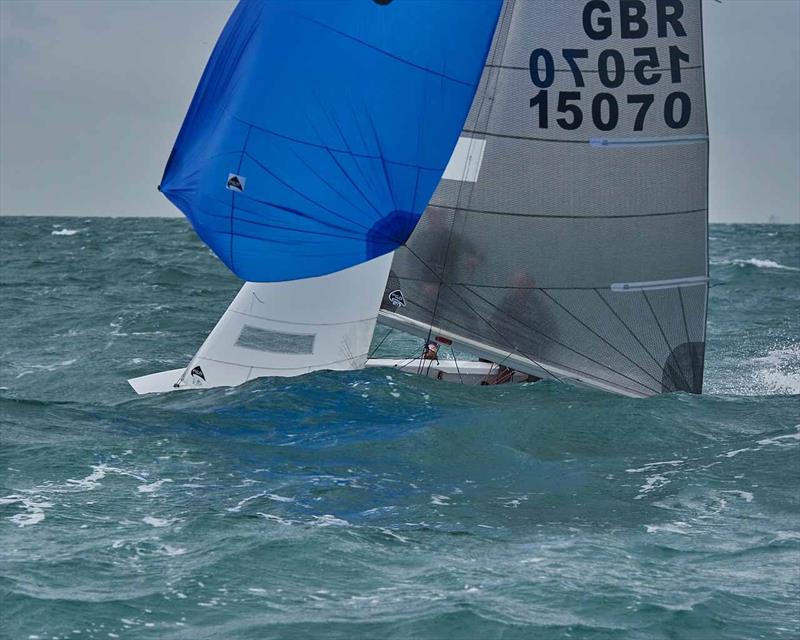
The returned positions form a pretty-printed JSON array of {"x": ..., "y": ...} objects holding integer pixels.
[
  {"x": 197, "y": 375},
  {"x": 236, "y": 183},
  {"x": 397, "y": 299}
]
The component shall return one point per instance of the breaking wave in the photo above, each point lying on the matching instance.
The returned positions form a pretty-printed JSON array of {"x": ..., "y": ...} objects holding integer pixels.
[{"x": 755, "y": 262}]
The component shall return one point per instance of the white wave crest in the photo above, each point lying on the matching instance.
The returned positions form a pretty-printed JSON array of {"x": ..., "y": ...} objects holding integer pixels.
[
  {"x": 755, "y": 262},
  {"x": 64, "y": 232},
  {"x": 779, "y": 371},
  {"x": 33, "y": 509},
  {"x": 159, "y": 522},
  {"x": 152, "y": 487}
]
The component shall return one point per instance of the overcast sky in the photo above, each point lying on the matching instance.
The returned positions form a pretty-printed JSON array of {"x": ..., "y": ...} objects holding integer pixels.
[{"x": 92, "y": 93}]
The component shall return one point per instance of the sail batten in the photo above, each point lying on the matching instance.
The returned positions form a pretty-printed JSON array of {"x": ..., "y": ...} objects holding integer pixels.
[{"x": 581, "y": 241}]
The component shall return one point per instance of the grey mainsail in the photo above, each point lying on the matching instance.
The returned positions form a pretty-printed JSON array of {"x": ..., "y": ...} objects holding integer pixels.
[{"x": 570, "y": 233}]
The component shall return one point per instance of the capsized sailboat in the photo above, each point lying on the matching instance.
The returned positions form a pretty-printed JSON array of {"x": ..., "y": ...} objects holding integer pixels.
[{"x": 559, "y": 151}]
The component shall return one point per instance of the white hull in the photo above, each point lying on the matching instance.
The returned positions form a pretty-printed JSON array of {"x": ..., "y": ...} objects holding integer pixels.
[{"x": 467, "y": 372}]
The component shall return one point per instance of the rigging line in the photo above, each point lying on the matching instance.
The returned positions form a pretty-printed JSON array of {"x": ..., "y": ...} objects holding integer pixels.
[
  {"x": 386, "y": 335},
  {"x": 586, "y": 326},
  {"x": 561, "y": 344},
  {"x": 455, "y": 360},
  {"x": 233, "y": 194},
  {"x": 516, "y": 350},
  {"x": 506, "y": 11},
  {"x": 664, "y": 335},
  {"x": 498, "y": 51},
  {"x": 349, "y": 352},
  {"x": 625, "y": 324},
  {"x": 489, "y": 324}
]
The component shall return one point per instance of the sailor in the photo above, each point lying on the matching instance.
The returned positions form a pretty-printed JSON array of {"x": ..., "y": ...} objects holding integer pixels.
[{"x": 431, "y": 352}]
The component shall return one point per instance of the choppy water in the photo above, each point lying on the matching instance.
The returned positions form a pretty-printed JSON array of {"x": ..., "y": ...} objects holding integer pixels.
[{"x": 363, "y": 506}]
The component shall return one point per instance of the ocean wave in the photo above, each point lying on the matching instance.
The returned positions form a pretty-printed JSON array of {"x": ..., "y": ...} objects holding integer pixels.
[
  {"x": 779, "y": 371},
  {"x": 755, "y": 262},
  {"x": 64, "y": 232}
]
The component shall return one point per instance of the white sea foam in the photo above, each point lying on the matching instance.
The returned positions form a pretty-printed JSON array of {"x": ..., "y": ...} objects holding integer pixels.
[
  {"x": 789, "y": 440},
  {"x": 64, "y": 232},
  {"x": 172, "y": 551},
  {"x": 744, "y": 495},
  {"x": 47, "y": 367},
  {"x": 650, "y": 465},
  {"x": 680, "y": 528},
  {"x": 328, "y": 520},
  {"x": 651, "y": 483},
  {"x": 33, "y": 509},
  {"x": 159, "y": 522},
  {"x": 443, "y": 501},
  {"x": 756, "y": 262},
  {"x": 153, "y": 486},
  {"x": 392, "y": 534},
  {"x": 274, "y": 518},
  {"x": 241, "y": 503},
  {"x": 778, "y": 372},
  {"x": 277, "y": 498},
  {"x": 92, "y": 481}
]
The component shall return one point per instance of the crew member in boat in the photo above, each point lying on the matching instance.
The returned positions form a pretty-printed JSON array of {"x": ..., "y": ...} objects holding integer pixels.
[{"x": 431, "y": 352}]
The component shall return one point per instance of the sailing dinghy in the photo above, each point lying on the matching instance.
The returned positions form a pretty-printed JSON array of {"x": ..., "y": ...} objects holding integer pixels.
[{"x": 524, "y": 181}]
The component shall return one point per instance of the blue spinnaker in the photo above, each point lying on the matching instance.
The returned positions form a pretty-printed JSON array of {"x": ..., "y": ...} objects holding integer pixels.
[{"x": 320, "y": 128}]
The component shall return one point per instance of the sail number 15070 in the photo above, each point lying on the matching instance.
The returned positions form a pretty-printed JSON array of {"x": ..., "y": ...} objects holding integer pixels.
[{"x": 611, "y": 71}]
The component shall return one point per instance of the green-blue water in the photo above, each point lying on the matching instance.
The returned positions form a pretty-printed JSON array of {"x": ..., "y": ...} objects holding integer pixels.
[{"x": 358, "y": 506}]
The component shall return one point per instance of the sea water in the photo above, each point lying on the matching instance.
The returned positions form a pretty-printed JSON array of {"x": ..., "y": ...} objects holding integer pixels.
[{"x": 373, "y": 504}]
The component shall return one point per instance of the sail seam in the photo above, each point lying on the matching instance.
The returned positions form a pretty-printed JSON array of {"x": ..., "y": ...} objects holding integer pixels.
[
  {"x": 304, "y": 367},
  {"x": 386, "y": 53},
  {"x": 306, "y": 324},
  {"x": 332, "y": 149},
  {"x": 570, "y": 216},
  {"x": 508, "y": 67},
  {"x": 536, "y": 139},
  {"x": 574, "y": 288}
]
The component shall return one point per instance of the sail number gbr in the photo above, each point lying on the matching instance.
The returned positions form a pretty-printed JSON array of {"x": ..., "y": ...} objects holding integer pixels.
[{"x": 605, "y": 107}]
